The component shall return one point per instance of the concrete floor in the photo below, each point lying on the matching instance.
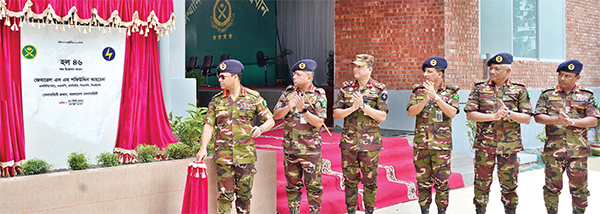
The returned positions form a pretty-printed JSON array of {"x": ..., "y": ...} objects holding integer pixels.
[{"x": 530, "y": 196}]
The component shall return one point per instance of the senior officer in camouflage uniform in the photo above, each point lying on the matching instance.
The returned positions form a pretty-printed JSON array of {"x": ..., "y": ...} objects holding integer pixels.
[
  {"x": 363, "y": 105},
  {"x": 434, "y": 104},
  {"x": 499, "y": 106},
  {"x": 567, "y": 110},
  {"x": 232, "y": 111},
  {"x": 302, "y": 137}
]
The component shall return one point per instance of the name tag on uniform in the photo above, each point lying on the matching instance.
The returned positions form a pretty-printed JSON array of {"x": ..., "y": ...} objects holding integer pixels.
[
  {"x": 302, "y": 120},
  {"x": 487, "y": 92},
  {"x": 221, "y": 108},
  {"x": 555, "y": 98}
]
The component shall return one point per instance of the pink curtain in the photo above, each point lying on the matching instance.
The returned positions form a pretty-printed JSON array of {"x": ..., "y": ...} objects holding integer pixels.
[
  {"x": 195, "y": 197},
  {"x": 11, "y": 105},
  {"x": 142, "y": 119}
]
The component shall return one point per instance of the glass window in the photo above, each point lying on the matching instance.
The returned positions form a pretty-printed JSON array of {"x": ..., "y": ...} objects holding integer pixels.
[{"x": 529, "y": 29}]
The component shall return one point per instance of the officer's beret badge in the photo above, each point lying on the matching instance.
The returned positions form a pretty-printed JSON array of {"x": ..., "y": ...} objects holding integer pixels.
[
  {"x": 302, "y": 65},
  {"x": 433, "y": 62},
  {"x": 571, "y": 67},
  {"x": 223, "y": 66},
  {"x": 499, "y": 59}
]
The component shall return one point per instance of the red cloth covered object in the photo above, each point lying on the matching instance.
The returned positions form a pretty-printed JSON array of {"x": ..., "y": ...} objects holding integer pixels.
[{"x": 195, "y": 199}]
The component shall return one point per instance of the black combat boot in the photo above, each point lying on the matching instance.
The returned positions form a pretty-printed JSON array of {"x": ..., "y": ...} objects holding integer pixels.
[
  {"x": 369, "y": 210},
  {"x": 351, "y": 210},
  {"x": 424, "y": 210},
  {"x": 441, "y": 211},
  {"x": 479, "y": 210}
]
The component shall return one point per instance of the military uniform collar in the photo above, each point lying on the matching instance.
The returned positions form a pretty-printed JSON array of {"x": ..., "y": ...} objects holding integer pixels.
[
  {"x": 242, "y": 92},
  {"x": 369, "y": 84},
  {"x": 575, "y": 88},
  {"x": 310, "y": 89},
  {"x": 507, "y": 82}
]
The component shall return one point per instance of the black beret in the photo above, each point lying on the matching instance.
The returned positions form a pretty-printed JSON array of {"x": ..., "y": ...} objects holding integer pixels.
[
  {"x": 434, "y": 61},
  {"x": 231, "y": 66},
  {"x": 305, "y": 65},
  {"x": 501, "y": 58},
  {"x": 572, "y": 66}
]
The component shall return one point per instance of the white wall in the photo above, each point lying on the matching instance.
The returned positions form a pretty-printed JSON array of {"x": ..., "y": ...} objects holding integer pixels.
[{"x": 177, "y": 90}]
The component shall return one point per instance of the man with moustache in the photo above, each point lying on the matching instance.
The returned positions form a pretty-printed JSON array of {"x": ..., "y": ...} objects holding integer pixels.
[
  {"x": 567, "y": 110},
  {"x": 499, "y": 106},
  {"x": 232, "y": 112},
  {"x": 363, "y": 105},
  {"x": 303, "y": 108},
  {"x": 435, "y": 104}
]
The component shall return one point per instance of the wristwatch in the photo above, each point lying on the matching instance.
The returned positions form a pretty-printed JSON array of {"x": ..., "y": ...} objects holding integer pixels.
[
  {"x": 436, "y": 98},
  {"x": 508, "y": 114},
  {"x": 362, "y": 105},
  {"x": 304, "y": 111}
]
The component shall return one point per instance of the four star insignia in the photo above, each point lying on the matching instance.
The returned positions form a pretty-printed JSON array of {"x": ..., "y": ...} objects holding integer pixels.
[{"x": 222, "y": 36}]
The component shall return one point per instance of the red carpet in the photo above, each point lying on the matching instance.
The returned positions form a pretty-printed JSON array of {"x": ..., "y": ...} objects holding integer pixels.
[{"x": 397, "y": 182}]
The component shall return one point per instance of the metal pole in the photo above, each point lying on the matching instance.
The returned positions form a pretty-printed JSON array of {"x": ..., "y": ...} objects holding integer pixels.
[{"x": 486, "y": 73}]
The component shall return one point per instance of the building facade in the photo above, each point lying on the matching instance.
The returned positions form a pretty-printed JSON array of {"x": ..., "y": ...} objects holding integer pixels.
[{"x": 402, "y": 34}]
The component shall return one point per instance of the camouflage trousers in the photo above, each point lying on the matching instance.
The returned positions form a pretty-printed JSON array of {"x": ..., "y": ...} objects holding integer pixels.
[
  {"x": 508, "y": 171},
  {"x": 353, "y": 164},
  {"x": 433, "y": 167},
  {"x": 236, "y": 179},
  {"x": 310, "y": 167},
  {"x": 576, "y": 171}
]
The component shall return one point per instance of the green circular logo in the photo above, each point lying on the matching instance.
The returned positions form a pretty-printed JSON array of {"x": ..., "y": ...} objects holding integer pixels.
[{"x": 29, "y": 52}]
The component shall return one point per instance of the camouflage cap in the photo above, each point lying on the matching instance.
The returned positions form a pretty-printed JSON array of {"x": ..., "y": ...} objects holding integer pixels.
[{"x": 364, "y": 59}]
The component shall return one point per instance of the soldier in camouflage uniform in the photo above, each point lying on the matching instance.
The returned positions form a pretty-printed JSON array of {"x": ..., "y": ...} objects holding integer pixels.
[
  {"x": 232, "y": 111},
  {"x": 499, "y": 106},
  {"x": 363, "y": 105},
  {"x": 434, "y": 104},
  {"x": 302, "y": 137},
  {"x": 567, "y": 110}
]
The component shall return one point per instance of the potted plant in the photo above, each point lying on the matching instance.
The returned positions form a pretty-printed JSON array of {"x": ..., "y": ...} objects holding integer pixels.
[
  {"x": 281, "y": 66},
  {"x": 330, "y": 63}
]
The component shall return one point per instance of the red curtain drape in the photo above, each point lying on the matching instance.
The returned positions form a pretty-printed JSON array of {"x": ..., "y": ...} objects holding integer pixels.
[
  {"x": 142, "y": 119},
  {"x": 11, "y": 106}
]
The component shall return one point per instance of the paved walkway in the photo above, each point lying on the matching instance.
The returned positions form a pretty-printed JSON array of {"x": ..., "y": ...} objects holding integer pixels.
[{"x": 530, "y": 196}]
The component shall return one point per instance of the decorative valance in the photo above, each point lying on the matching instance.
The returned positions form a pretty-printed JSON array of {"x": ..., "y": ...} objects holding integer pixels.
[{"x": 104, "y": 15}]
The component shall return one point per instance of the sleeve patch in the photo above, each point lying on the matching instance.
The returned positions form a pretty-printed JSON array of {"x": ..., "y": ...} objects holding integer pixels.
[
  {"x": 384, "y": 96},
  {"x": 455, "y": 96}
]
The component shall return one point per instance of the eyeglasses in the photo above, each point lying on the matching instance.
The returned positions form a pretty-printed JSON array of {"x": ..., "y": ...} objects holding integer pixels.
[{"x": 221, "y": 76}]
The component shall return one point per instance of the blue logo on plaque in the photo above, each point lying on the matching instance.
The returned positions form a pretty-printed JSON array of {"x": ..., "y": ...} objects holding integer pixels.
[{"x": 108, "y": 54}]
